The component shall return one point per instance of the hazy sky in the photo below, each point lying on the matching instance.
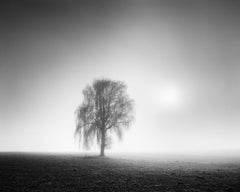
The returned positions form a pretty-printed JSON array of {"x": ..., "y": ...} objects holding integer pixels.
[{"x": 180, "y": 60}]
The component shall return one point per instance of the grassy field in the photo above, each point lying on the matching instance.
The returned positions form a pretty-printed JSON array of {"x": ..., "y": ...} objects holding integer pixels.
[{"x": 49, "y": 172}]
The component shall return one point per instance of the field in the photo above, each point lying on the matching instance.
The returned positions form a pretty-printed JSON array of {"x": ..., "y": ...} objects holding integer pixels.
[{"x": 59, "y": 172}]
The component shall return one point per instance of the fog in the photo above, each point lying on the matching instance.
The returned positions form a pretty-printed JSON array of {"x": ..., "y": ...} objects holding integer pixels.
[{"x": 180, "y": 61}]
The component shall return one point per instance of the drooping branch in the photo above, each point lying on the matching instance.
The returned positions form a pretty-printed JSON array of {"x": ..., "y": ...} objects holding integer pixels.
[{"x": 106, "y": 106}]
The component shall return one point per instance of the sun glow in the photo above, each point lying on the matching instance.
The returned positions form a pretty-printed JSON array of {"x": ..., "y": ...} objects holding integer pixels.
[{"x": 170, "y": 97}]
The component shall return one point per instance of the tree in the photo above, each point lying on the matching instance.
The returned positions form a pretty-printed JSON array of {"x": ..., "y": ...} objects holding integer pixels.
[{"x": 106, "y": 109}]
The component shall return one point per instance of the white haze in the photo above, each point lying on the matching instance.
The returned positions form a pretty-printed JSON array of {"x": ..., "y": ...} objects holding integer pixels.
[{"x": 180, "y": 65}]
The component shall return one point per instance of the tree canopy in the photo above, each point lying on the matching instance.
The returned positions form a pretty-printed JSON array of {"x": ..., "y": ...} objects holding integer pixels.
[{"x": 106, "y": 109}]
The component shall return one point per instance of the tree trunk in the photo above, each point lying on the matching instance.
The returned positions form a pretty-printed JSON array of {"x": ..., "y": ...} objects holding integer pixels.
[{"x": 102, "y": 153}]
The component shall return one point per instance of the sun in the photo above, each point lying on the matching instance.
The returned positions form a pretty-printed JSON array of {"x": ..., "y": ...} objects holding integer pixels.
[{"x": 170, "y": 97}]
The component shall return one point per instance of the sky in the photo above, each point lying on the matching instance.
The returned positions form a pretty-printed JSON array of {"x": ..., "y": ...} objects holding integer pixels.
[{"x": 179, "y": 59}]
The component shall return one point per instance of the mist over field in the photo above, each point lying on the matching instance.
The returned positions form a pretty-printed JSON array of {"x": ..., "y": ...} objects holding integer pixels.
[
  {"x": 179, "y": 60},
  {"x": 153, "y": 85}
]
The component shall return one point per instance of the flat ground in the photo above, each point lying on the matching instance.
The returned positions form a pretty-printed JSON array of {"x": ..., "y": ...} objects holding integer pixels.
[{"x": 48, "y": 172}]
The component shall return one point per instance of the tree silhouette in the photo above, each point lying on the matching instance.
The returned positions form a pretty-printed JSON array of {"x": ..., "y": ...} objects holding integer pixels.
[{"x": 106, "y": 109}]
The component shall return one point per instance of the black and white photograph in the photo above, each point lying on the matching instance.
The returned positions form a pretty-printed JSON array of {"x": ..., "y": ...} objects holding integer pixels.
[{"x": 120, "y": 96}]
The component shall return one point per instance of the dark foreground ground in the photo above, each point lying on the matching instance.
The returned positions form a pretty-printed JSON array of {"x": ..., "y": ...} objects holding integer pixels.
[{"x": 46, "y": 172}]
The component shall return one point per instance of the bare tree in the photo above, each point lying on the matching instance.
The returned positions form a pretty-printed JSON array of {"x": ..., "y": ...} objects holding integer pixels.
[{"x": 106, "y": 109}]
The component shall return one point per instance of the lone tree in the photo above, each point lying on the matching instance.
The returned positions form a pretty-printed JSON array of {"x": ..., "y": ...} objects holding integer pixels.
[{"x": 106, "y": 109}]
